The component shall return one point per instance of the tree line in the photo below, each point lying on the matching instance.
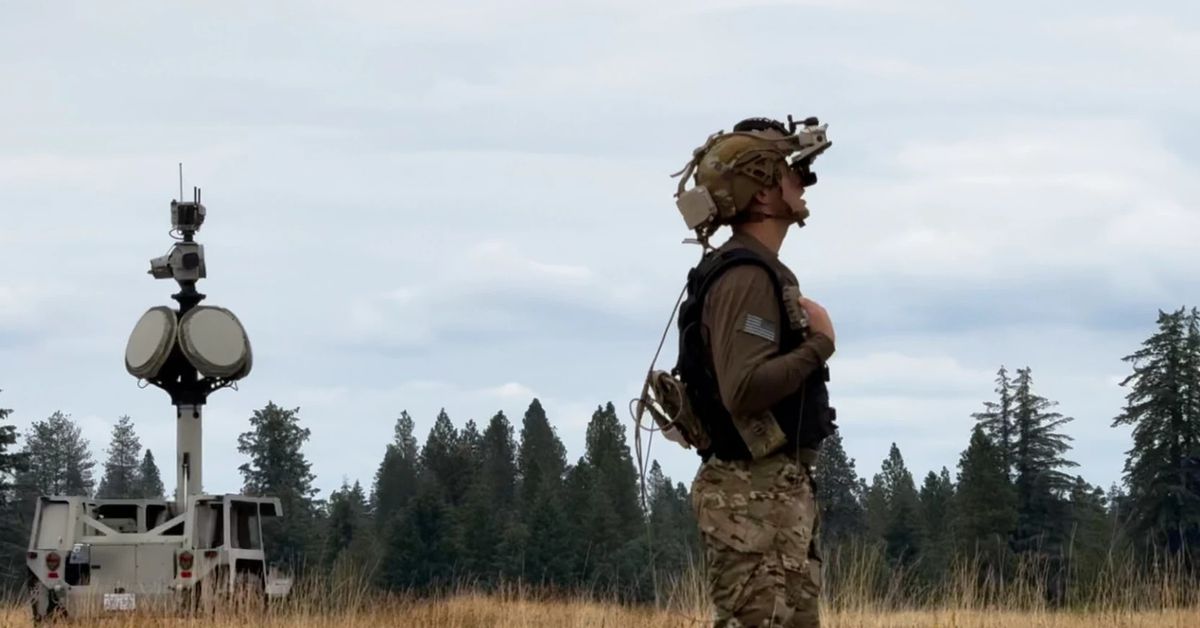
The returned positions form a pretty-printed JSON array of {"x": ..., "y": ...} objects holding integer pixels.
[
  {"x": 466, "y": 506},
  {"x": 1012, "y": 502},
  {"x": 501, "y": 502}
]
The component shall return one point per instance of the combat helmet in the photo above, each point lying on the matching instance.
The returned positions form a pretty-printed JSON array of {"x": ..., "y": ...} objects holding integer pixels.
[{"x": 730, "y": 168}]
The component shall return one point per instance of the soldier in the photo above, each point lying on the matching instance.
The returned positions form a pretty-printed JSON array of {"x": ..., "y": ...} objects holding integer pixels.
[{"x": 752, "y": 357}]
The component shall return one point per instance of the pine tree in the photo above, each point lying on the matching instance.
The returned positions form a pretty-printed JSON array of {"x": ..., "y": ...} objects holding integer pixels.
[
  {"x": 875, "y": 509},
  {"x": 1163, "y": 406},
  {"x": 937, "y": 511},
  {"x": 470, "y": 444},
  {"x": 1119, "y": 527},
  {"x": 985, "y": 510},
  {"x": 443, "y": 457},
  {"x": 673, "y": 534},
  {"x": 121, "y": 468},
  {"x": 468, "y": 454},
  {"x": 548, "y": 538},
  {"x": 278, "y": 468},
  {"x": 10, "y": 462},
  {"x": 492, "y": 540},
  {"x": 13, "y": 527},
  {"x": 396, "y": 479},
  {"x": 592, "y": 526},
  {"x": 1041, "y": 484},
  {"x": 612, "y": 511},
  {"x": 607, "y": 453},
  {"x": 149, "y": 481},
  {"x": 498, "y": 461},
  {"x": 419, "y": 551},
  {"x": 347, "y": 521},
  {"x": 999, "y": 423},
  {"x": 838, "y": 485},
  {"x": 59, "y": 460},
  {"x": 1091, "y": 536},
  {"x": 542, "y": 459},
  {"x": 902, "y": 531},
  {"x": 425, "y": 547}
]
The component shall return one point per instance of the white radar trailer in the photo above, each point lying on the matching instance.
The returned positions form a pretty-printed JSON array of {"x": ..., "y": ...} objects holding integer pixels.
[{"x": 90, "y": 556}]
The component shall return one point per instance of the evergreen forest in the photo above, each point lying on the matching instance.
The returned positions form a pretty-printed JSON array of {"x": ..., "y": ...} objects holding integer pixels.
[{"x": 499, "y": 501}]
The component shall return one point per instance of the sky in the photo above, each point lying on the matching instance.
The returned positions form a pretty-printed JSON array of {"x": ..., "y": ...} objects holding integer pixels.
[{"x": 466, "y": 205}]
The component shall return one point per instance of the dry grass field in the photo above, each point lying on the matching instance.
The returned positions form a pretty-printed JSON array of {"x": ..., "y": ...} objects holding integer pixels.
[
  {"x": 1124, "y": 597},
  {"x": 511, "y": 609},
  {"x": 472, "y": 611}
]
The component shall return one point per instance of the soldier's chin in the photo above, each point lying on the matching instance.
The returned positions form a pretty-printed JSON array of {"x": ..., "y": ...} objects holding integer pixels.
[{"x": 800, "y": 211}]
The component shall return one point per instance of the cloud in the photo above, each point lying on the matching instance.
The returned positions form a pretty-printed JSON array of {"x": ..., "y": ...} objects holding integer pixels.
[
  {"x": 493, "y": 287},
  {"x": 1159, "y": 35},
  {"x": 884, "y": 374},
  {"x": 511, "y": 390},
  {"x": 28, "y": 307},
  {"x": 459, "y": 205},
  {"x": 1039, "y": 195}
]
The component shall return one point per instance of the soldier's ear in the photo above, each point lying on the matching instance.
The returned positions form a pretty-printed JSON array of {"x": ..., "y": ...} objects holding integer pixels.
[{"x": 766, "y": 196}]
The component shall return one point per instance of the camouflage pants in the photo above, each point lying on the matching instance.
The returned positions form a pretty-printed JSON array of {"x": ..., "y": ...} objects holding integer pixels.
[{"x": 759, "y": 522}]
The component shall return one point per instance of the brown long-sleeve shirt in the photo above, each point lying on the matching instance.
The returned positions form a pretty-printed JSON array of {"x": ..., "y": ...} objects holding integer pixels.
[{"x": 742, "y": 315}]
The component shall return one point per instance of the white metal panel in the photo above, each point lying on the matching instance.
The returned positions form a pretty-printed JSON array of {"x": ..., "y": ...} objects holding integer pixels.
[
  {"x": 53, "y": 526},
  {"x": 155, "y": 567},
  {"x": 114, "y": 566}
]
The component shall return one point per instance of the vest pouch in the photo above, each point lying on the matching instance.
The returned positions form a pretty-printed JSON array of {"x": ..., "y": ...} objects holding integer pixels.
[
  {"x": 761, "y": 434},
  {"x": 673, "y": 413}
]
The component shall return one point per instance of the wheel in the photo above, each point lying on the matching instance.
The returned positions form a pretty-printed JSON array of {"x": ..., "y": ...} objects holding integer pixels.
[
  {"x": 250, "y": 589},
  {"x": 42, "y": 602},
  {"x": 211, "y": 593}
]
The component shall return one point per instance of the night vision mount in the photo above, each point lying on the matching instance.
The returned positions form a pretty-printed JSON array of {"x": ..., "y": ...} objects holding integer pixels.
[{"x": 813, "y": 140}]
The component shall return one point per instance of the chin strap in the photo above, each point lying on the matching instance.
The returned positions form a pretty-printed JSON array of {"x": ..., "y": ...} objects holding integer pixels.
[{"x": 758, "y": 216}]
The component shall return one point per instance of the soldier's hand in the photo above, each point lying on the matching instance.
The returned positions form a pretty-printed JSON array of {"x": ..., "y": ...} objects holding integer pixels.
[{"x": 818, "y": 318}]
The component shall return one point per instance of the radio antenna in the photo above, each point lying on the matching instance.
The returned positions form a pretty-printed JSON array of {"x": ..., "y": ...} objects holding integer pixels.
[{"x": 181, "y": 182}]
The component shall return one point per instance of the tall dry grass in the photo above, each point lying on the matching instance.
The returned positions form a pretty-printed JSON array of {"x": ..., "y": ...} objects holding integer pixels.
[
  {"x": 861, "y": 592},
  {"x": 857, "y": 577}
]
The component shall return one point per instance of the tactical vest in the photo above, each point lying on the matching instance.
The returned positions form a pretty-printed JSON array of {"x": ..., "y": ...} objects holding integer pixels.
[{"x": 804, "y": 416}]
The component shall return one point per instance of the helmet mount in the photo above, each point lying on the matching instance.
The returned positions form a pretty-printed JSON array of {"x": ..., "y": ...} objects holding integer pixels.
[{"x": 730, "y": 167}]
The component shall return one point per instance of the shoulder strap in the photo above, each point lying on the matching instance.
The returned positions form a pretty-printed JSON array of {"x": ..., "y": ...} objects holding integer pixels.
[
  {"x": 706, "y": 273},
  {"x": 714, "y": 265}
]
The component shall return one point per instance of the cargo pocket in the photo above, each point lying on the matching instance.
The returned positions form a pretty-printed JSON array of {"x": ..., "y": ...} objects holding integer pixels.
[
  {"x": 724, "y": 511},
  {"x": 729, "y": 574}
]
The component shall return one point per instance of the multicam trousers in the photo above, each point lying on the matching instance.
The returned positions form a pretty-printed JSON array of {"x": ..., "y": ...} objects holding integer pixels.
[{"x": 759, "y": 522}]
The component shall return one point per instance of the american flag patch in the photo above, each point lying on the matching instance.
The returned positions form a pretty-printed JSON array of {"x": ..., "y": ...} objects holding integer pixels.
[{"x": 756, "y": 326}]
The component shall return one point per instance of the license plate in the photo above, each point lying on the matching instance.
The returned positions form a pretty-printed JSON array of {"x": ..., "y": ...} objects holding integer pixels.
[{"x": 119, "y": 602}]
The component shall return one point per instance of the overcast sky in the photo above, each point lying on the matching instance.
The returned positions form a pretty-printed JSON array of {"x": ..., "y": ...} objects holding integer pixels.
[{"x": 419, "y": 205}]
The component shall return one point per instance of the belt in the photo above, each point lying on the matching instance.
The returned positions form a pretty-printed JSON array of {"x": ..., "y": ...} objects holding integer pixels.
[{"x": 804, "y": 455}]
